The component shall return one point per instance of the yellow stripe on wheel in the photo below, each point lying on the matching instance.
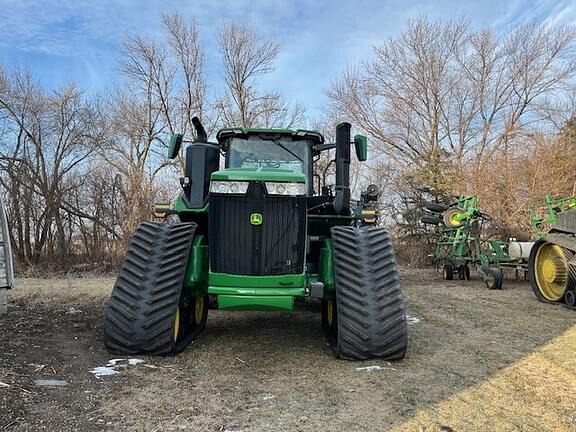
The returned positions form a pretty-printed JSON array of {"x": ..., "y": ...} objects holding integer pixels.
[
  {"x": 176, "y": 325},
  {"x": 199, "y": 309},
  {"x": 551, "y": 272},
  {"x": 330, "y": 312}
]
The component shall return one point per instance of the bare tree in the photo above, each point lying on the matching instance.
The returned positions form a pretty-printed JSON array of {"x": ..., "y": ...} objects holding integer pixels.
[
  {"x": 244, "y": 59},
  {"x": 51, "y": 138},
  {"x": 439, "y": 92}
]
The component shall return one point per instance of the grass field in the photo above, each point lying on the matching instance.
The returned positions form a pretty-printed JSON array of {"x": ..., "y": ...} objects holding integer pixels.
[{"x": 478, "y": 360}]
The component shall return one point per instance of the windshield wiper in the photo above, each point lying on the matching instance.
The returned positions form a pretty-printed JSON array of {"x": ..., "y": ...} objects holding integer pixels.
[{"x": 282, "y": 146}]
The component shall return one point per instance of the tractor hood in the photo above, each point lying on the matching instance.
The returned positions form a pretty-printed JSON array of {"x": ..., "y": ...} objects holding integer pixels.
[{"x": 259, "y": 174}]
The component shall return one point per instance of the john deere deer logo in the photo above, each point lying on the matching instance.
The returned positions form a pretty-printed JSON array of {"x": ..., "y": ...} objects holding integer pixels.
[{"x": 256, "y": 218}]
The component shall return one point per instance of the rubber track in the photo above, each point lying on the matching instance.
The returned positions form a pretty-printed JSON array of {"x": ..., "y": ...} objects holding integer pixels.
[
  {"x": 371, "y": 310},
  {"x": 139, "y": 315}
]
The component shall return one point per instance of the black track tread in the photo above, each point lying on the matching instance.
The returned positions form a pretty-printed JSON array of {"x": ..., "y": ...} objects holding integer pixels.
[
  {"x": 371, "y": 311},
  {"x": 139, "y": 315}
]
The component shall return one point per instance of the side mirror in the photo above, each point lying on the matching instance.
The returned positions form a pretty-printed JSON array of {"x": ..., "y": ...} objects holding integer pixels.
[
  {"x": 361, "y": 146},
  {"x": 174, "y": 146}
]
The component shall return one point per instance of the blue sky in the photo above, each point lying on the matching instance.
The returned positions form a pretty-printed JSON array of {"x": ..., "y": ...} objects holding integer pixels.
[{"x": 79, "y": 40}]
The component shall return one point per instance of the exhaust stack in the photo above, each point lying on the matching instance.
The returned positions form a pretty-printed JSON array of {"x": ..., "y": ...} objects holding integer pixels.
[{"x": 342, "y": 192}]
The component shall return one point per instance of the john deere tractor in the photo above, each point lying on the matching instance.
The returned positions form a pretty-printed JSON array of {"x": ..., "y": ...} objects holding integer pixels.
[
  {"x": 256, "y": 235},
  {"x": 552, "y": 262}
]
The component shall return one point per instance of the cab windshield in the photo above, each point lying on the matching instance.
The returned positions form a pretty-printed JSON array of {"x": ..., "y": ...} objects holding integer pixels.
[{"x": 279, "y": 153}]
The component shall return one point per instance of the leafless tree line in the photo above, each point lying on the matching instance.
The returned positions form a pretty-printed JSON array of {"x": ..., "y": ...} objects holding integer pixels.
[
  {"x": 448, "y": 110},
  {"x": 80, "y": 173},
  {"x": 453, "y": 111}
]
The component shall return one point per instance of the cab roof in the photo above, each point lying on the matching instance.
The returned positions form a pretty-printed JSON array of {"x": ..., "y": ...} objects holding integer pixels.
[{"x": 241, "y": 132}]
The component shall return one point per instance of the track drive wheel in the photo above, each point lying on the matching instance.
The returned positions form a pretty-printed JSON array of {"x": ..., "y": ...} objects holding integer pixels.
[
  {"x": 370, "y": 316},
  {"x": 448, "y": 272},
  {"x": 148, "y": 311},
  {"x": 494, "y": 278},
  {"x": 330, "y": 321},
  {"x": 548, "y": 271}
]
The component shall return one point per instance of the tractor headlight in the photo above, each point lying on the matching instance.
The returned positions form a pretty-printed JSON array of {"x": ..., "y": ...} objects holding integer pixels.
[
  {"x": 228, "y": 187},
  {"x": 288, "y": 189}
]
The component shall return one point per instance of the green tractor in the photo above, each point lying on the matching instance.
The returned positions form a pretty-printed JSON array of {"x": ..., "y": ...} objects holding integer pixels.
[
  {"x": 552, "y": 262},
  {"x": 256, "y": 235}
]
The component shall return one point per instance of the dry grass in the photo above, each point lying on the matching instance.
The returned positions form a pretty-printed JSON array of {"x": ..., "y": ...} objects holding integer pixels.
[
  {"x": 478, "y": 360},
  {"x": 63, "y": 289},
  {"x": 537, "y": 393}
]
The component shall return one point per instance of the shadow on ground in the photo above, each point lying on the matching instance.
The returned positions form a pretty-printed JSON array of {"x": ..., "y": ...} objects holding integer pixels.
[{"x": 273, "y": 371}]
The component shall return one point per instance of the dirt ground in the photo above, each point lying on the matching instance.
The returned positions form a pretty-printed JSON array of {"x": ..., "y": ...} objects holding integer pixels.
[{"x": 478, "y": 360}]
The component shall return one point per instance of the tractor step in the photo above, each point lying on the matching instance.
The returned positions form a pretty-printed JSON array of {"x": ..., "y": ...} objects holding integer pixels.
[{"x": 255, "y": 303}]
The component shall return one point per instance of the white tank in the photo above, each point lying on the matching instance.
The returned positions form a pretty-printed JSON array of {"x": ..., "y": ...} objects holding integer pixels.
[{"x": 519, "y": 250}]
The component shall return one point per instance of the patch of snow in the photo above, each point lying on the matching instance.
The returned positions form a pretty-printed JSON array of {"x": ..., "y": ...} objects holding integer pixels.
[
  {"x": 50, "y": 382},
  {"x": 373, "y": 368},
  {"x": 413, "y": 319},
  {"x": 112, "y": 366},
  {"x": 101, "y": 371}
]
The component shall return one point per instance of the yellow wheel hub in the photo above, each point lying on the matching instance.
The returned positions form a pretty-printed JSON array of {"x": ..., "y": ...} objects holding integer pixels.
[
  {"x": 551, "y": 271},
  {"x": 330, "y": 312},
  {"x": 452, "y": 217},
  {"x": 176, "y": 325},
  {"x": 198, "y": 309}
]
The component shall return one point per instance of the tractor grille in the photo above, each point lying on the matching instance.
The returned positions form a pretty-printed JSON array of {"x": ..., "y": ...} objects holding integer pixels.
[{"x": 275, "y": 247}]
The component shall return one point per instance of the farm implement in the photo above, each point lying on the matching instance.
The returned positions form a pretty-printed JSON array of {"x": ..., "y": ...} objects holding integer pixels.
[
  {"x": 552, "y": 262},
  {"x": 460, "y": 244}
]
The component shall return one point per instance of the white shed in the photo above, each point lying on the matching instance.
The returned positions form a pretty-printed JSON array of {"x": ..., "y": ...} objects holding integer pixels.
[{"x": 6, "y": 265}]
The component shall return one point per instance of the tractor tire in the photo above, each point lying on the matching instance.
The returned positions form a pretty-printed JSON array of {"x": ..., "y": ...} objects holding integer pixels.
[
  {"x": 148, "y": 311},
  {"x": 448, "y": 272},
  {"x": 435, "y": 207},
  {"x": 430, "y": 220},
  {"x": 467, "y": 272},
  {"x": 370, "y": 311},
  {"x": 494, "y": 279},
  {"x": 549, "y": 271}
]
